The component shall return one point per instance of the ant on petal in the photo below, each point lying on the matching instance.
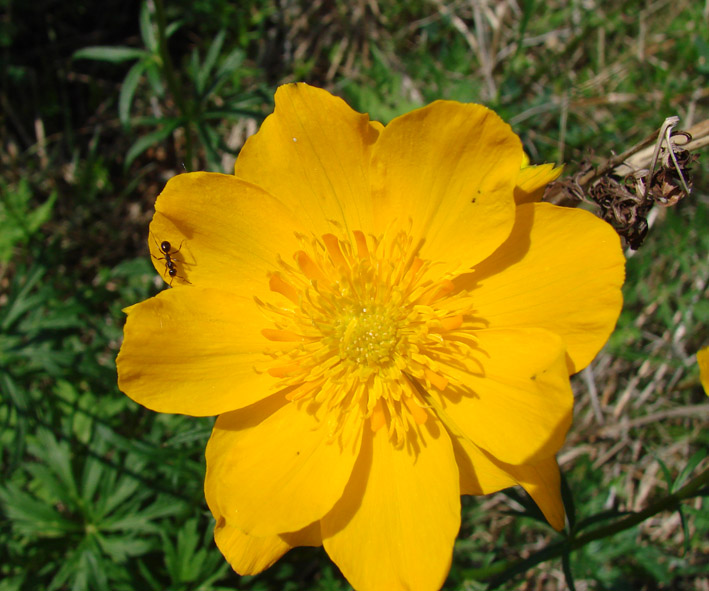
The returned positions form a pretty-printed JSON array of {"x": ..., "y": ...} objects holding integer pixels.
[{"x": 170, "y": 263}]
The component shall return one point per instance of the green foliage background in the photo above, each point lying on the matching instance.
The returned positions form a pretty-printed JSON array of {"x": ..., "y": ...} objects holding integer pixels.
[{"x": 100, "y": 103}]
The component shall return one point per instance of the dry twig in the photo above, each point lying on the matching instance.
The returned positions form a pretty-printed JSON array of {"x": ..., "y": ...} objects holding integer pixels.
[{"x": 626, "y": 186}]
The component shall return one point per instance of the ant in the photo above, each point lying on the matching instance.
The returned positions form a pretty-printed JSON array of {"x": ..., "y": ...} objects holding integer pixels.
[{"x": 170, "y": 263}]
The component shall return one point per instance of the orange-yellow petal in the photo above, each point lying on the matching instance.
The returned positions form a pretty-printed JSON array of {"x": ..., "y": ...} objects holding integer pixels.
[
  {"x": 395, "y": 526},
  {"x": 313, "y": 154},
  {"x": 532, "y": 182},
  {"x": 451, "y": 169},
  {"x": 249, "y": 555},
  {"x": 703, "y": 361},
  {"x": 481, "y": 474},
  {"x": 193, "y": 351},
  {"x": 543, "y": 483},
  {"x": 273, "y": 468},
  {"x": 229, "y": 233},
  {"x": 561, "y": 269},
  {"x": 515, "y": 401}
]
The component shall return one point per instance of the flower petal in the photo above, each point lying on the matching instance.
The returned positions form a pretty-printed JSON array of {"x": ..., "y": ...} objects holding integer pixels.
[
  {"x": 249, "y": 555},
  {"x": 273, "y": 468},
  {"x": 479, "y": 473},
  {"x": 482, "y": 474},
  {"x": 396, "y": 523},
  {"x": 533, "y": 180},
  {"x": 703, "y": 361},
  {"x": 228, "y": 232},
  {"x": 561, "y": 269},
  {"x": 451, "y": 168},
  {"x": 193, "y": 351},
  {"x": 517, "y": 405},
  {"x": 543, "y": 483},
  {"x": 313, "y": 154}
]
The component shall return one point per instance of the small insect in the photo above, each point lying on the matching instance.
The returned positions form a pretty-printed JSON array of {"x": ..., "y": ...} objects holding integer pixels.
[{"x": 170, "y": 263}]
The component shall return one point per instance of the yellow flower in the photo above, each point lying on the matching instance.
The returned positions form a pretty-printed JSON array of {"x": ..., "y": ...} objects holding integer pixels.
[
  {"x": 703, "y": 361},
  {"x": 383, "y": 318}
]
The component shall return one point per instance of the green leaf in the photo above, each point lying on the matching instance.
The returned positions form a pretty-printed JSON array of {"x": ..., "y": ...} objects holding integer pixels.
[
  {"x": 94, "y": 473},
  {"x": 125, "y": 488},
  {"x": 208, "y": 138},
  {"x": 123, "y": 547},
  {"x": 140, "y": 521},
  {"x": 154, "y": 75},
  {"x": 530, "y": 508},
  {"x": 33, "y": 517},
  {"x": 58, "y": 457},
  {"x": 172, "y": 28},
  {"x": 147, "y": 32},
  {"x": 115, "y": 55},
  {"x": 566, "y": 567},
  {"x": 130, "y": 84},
  {"x": 204, "y": 73},
  {"x": 19, "y": 221},
  {"x": 150, "y": 139},
  {"x": 567, "y": 498},
  {"x": 692, "y": 463},
  {"x": 231, "y": 62},
  {"x": 665, "y": 472},
  {"x": 20, "y": 302}
]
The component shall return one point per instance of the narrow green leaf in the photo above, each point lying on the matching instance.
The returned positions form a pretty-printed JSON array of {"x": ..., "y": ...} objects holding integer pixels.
[
  {"x": 130, "y": 84},
  {"x": 19, "y": 302},
  {"x": 136, "y": 523},
  {"x": 150, "y": 139},
  {"x": 154, "y": 74},
  {"x": 92, "y": 475},
  {"x": 231, "y": 62},
  {"x": 692, "y": 463},
  {"x": 124, "y": 547},
  {"x": 41, "y": 214},
  {"x": 51, "y": 486},
  {"x": 187, "y": 557},
  {"x": 33, "y": 517},
  {"x": 566, "y": 567},
  {"x": 124, "y": 489},
  {"x": 567, "y": 498},
  {"x": 205, "y": 72},
  {"x": 113, "y": 55},
  {"x": 172, "y": 28},
  {"x": 193, "y": 70},
  {"x": 665, "y": 472},
  {"x": 147, "y": 32},
  {"x": 686, "y": 539},
  {"x": 149, "y": 576},
  {"x": 57, "y": 456},
  {"x": 234, "y": 113},
  {"x": 208, "y": 142}
]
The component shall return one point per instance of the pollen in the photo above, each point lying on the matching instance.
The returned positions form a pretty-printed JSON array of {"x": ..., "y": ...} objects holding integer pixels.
[
  {"x": 363, "y": 328},
  {"x": 367, "y": 338}
]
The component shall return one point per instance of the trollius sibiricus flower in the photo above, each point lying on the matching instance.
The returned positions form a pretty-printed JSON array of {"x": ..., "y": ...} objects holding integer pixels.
[{"x": 384, "y": 318}]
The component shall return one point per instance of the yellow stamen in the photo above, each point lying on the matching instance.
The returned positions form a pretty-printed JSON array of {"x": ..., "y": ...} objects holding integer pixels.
[
  {"x": 308, "y": 267},
  {"x": 277, "y": 284},
  {"x": 368, "y": 331},
  {"x": 333, "y": 248},
  {"x": 281, "y": 335}
]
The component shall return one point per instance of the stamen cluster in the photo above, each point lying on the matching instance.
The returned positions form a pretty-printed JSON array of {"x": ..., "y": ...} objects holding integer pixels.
[{"x": 367, "y": 330}]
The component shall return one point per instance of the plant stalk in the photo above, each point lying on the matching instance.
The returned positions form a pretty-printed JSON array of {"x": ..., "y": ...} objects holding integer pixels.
[
  {"x": 172, "y": 82},
  {"x": 499, "y": 572}
]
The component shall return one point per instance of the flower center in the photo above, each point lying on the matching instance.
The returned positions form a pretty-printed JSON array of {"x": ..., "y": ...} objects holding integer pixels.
[
  {"x": 366, "y": 338},
  {"x": 365, "y": 330}
]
